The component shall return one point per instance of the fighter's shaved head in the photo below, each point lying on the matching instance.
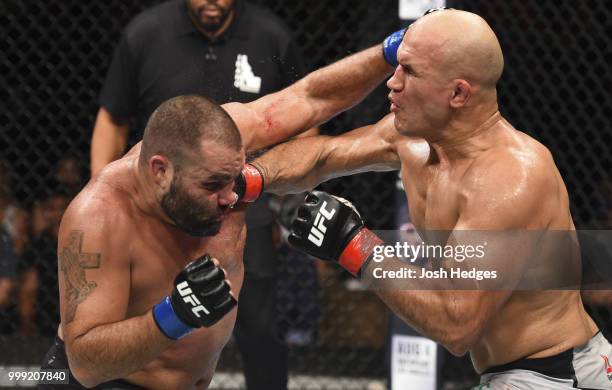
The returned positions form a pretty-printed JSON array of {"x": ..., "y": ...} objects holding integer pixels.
[
  {"x": 450, "y": 63},
  {"x": 460, "y": 44},
  {"x": 178, "y": 126}
]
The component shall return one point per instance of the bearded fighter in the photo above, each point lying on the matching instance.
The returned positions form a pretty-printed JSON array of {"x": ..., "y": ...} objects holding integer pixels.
[{"x": 150, "y": 251}]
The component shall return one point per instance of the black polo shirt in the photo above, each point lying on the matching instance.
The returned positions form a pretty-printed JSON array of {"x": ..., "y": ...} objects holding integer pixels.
[{"x": 161, "y": 55}]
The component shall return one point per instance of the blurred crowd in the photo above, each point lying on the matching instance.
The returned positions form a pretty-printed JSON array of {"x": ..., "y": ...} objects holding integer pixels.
[{"x": 29, "y": 301}]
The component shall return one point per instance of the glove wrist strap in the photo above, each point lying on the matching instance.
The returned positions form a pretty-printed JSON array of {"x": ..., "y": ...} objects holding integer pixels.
[
  {"x": 358, "y": 250},
  {"x": 390, "y": 45},
  {"x": 168, "y": 322},
  {"x": 253, "y": 183}
]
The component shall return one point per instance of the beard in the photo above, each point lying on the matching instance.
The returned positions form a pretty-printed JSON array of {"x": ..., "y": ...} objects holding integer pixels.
[
  {"x": 208, "y": 23},
  {"x": 188, "y": 215}
]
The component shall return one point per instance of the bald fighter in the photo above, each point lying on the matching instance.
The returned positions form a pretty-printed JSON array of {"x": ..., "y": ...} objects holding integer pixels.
[
  {"x": 464, "y": 167},
  {"x": 150, "y": 251}
]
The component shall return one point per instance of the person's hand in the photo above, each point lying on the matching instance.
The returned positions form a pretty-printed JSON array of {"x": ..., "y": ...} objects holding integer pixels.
[
  {"x": 330, "y": 228},
  {"x": 201, "y": 297}
]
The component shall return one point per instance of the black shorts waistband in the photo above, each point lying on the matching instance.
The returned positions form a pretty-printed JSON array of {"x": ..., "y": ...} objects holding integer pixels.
[{"x": 556, "y": 366}]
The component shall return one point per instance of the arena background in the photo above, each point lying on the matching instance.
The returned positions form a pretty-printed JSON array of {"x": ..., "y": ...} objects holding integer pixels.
[{"x": 556, "y": 87}]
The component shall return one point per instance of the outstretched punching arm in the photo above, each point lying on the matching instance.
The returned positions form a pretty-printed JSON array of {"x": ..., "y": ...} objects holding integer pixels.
[
  {"x": 302, "y": 164},
  {"x": 314, "y": 99}
]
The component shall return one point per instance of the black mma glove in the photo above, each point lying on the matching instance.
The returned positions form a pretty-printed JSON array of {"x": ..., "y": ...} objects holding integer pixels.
[
  {"x": 330, "y": 228},
  {"x": 200, "y": 297}
]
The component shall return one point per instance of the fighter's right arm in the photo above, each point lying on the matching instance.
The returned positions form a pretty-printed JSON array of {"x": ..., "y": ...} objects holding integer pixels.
[
  {"x": 94, "y": 281},
  {"x": 108, "y": 140},
  {"x": 302, "y": 164}
]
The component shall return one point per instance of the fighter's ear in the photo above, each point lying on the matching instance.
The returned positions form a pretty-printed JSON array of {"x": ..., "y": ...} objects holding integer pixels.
[
  {"x": 462, "y": 91},
  {"x": 161, "y": 170}
]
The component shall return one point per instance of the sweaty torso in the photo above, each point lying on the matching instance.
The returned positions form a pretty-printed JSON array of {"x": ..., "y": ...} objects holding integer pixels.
[
  {"x": 530, "y": 323},
  {"x": 158, "y": 252}
]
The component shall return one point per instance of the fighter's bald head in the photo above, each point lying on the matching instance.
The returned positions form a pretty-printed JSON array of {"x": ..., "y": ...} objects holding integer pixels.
[{"x": 458, "y": 44}]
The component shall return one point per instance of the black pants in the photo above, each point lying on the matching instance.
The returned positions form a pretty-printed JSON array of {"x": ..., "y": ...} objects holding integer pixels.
[
  {"x": 56, "y": 358},
  {"x": 264, "y": 354}
]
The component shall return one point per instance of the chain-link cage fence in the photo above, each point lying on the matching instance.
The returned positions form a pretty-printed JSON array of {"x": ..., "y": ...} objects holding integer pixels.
[{"x": 54, "y": 57}]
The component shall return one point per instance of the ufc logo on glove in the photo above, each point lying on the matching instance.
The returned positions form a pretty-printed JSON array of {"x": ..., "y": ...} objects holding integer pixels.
[
  {"x": 189, "y": 297},
  {"x": 317, "y": 233},
  {"x": 322, "y": 214}
]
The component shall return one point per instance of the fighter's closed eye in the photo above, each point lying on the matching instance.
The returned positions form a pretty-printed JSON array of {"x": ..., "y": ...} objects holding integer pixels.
[
  {"x": 409, "y": 70},
  {"x": 213, "y": 186}
]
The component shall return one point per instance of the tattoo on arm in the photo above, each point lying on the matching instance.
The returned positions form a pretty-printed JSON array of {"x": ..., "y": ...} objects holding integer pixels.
[{"x": 73, "y": 263}]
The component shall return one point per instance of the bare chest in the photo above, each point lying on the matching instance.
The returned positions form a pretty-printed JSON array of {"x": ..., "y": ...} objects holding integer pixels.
[
  {"x": 433, "y": 197},
  {"x": 157, "y": 257},
  {"x": 158, "y": 254}
]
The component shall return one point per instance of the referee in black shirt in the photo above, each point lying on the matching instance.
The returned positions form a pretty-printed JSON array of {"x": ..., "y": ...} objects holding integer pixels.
[{"x": 228, "y": 50}]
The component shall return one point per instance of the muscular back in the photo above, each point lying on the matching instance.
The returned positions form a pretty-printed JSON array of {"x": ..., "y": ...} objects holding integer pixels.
[
  {"x": 463, "y": 191},
  {"x": 131, "y": 260}
]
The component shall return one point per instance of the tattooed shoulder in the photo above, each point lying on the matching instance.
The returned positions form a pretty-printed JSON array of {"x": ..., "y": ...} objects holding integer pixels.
[{"x": 72, "y": 264}]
